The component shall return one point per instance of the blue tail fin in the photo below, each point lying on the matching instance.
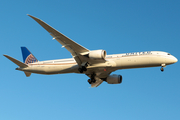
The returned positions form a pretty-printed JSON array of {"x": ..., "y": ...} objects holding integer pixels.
[{"x": 28, "y": 57}]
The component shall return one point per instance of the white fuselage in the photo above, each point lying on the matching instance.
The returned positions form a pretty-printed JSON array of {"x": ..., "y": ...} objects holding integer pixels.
[{"x": 112, "y": 63}]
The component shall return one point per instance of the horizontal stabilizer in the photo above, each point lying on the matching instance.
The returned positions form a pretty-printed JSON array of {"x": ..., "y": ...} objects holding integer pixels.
[{"x": 17, "y": 62}]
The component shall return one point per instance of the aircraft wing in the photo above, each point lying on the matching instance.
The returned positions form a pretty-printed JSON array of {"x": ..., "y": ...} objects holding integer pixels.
[{"x": 74, "y": 48}]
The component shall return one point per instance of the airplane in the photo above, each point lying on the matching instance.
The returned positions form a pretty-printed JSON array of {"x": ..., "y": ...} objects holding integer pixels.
[{"x": 96, "y": 64}]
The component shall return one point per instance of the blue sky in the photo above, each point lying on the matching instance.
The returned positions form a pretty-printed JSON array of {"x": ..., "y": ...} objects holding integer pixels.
[{"x": 116, "y": 26}]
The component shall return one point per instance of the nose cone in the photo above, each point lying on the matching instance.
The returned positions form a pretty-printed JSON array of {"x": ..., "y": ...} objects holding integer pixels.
[
  {"x": 175, "y": 60},
  {"x": 171, "y": 60}
]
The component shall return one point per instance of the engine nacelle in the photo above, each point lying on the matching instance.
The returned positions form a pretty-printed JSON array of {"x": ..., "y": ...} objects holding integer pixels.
[
  {"x": 114, "y": 79},
  {"x": 97, "y": 54}
]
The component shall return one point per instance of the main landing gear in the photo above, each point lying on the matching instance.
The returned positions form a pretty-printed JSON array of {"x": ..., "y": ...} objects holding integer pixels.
[
  {"x": 162, "y": 69},
  {"x": 92, "y": 80},
  {"x": 83, "y": 67}
]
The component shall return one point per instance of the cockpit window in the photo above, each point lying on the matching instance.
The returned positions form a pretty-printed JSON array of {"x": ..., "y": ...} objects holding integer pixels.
[{"x": 169, "y": 54}]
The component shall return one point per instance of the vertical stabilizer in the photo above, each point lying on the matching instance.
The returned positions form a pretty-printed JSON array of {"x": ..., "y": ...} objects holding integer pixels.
[{"x": 28, "y": 57}]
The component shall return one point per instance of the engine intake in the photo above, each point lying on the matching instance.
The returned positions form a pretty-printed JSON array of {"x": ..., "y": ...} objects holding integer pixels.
[
  {"x": 114, "y": 79},
  {"x": 97, "y": 54}
]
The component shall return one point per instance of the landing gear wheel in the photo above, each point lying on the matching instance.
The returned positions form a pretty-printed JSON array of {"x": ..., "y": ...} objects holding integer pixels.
[
  {"x": 162, "y": 69},
  {"x": 80, "y": 70},
  {"x": 84, "y": 68},
  {"x": 92, "y": 80},
  {"x": 89, "y": 81}
]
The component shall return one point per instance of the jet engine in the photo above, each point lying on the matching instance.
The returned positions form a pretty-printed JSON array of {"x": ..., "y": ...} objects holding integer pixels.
[
  {"x": 97, "y": 54},
  {"x": 114, "y": 79}
]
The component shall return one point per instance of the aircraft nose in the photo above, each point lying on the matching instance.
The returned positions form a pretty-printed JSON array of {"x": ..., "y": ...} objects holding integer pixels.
[
  {"x": 175, "y": 59},
  {"x": 171, "y": 60}
]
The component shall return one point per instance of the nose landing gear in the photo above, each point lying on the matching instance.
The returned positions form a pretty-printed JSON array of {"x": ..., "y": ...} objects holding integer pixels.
[{"x": 162, "y": 68}]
